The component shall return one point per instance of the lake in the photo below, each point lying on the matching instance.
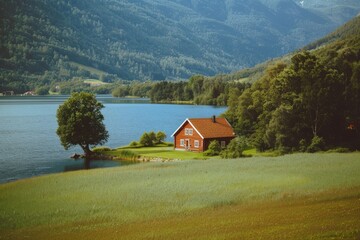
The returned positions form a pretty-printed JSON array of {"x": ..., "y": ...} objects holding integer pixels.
[{"x": 30, "y": 147}]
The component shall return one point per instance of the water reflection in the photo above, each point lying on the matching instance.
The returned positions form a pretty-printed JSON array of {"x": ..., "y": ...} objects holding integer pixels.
[{"x": 81, "y": 164}]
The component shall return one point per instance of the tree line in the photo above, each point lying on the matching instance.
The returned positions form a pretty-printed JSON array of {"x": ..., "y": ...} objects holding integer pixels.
[
  {"x": 197, "y": 90},
  {"x": 309, "y": 105}
]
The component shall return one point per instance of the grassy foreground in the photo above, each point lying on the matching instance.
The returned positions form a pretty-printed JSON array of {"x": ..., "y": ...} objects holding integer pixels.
[{"x": 300, "y": 196}]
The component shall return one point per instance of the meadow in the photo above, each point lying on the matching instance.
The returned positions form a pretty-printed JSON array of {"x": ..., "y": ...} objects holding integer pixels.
[
  {"x": 160, "y": 151},
  {"x": 298, "y": 196}
]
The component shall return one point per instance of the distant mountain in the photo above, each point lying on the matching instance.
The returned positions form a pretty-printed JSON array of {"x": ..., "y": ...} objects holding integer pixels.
[
  {"x": 47, "y": 41},
  {"x": 342, "y": 39}
]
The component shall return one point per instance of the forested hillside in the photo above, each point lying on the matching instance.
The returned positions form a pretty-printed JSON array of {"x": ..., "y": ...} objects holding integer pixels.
[
  {"x": 44, "y": 42},
  {"x": 309, "y": 104}
]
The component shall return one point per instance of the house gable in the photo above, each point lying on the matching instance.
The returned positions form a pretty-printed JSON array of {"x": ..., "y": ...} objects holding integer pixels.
[
  {"x": 181, "y": 126},
  {"x": 188, "y": 138}
]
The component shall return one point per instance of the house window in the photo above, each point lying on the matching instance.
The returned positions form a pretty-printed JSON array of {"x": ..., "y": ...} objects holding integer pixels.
[
  {"x": 223, "y": 144},
  {"x": 182, "y": 142},
  {"x": 188, "y": 131},
  {"x": 196, "y": 143}
]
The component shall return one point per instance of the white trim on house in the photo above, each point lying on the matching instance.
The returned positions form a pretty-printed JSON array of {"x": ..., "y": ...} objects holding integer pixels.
[
  {"x": 172, "y": 135},
  {"x": 187, "y": 120}
]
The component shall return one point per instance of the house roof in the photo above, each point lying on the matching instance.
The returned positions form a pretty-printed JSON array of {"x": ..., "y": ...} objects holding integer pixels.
[{"x": 206, "y": 128}]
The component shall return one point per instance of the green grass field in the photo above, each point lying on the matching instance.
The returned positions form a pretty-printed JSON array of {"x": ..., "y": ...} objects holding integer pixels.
[
  {"x": 299, "y": 196},
  {"x": 160, "y": 151}
]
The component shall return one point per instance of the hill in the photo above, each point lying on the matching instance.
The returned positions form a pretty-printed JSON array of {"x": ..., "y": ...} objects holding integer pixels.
[{"x": 48, "y": 41}]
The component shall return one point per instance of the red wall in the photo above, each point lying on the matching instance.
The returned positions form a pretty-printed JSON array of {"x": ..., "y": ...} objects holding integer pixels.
[{"x": 188, "y": 138}]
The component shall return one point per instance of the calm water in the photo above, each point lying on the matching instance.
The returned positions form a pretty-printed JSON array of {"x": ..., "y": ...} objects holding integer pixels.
[{"x": 29, "y": 145}]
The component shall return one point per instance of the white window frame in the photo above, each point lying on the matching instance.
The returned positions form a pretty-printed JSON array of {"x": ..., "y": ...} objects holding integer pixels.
[
  {"x": 196, "y": 144},
  {"x": 188, "y": 131},
  {"x": 223, "y": 144},
  {"x": 182, "y": 142}
]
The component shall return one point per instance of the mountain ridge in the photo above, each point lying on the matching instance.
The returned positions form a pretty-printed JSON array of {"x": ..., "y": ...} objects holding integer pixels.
[{"x": 160, "y": 39}]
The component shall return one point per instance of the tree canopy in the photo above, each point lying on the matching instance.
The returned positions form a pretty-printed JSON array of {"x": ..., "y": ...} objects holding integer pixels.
[
  {"x": 312, "y": 102},
  {"x": 80, "y": 122}
]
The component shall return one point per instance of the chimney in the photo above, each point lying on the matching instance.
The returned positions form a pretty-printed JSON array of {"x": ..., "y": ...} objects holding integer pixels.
[{"x": 213, "y": 119}]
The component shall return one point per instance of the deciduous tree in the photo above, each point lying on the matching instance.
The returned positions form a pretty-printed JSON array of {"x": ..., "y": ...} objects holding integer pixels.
[{"x": 80, "y": 122}]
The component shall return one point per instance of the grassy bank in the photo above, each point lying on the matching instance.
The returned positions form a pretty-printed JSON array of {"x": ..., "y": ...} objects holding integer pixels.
[
  {"x": 300, "y": 196},
  {"x": 161, "y": 151}
]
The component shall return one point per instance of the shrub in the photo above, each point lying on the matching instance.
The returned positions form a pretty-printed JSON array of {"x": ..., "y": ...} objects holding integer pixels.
[
  {"x": 160, "y": 137},
  {"x": 133, "y": 144},
  {"x": 302, "y": 145},
  {"x": 317, "y": 144},
  {"x": 152, "y": 137},
  {"x": 214, "y": 149},
  {"x": 339, "y": 150},
  {"x": 284, "y": 150},
  {"x": 235, "y": 148},
  {"x": 146, "y": 140}
]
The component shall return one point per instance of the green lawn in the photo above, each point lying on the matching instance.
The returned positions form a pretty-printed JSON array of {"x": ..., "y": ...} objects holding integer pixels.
[
  {"x": 158, "y": 152},
  {"x": 299, "y": 196}
]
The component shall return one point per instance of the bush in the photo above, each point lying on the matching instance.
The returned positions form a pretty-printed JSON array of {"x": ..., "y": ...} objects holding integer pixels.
[
  {"x": 160, "y": 137},
  {"x": 284, "y": 150},
  {"x": 146, "y": 140},
  {"x": 235, "y": 148},
  {"x": 317, "y": 144},
  {"x": 302, "y": 145},
  {"x": 339, "y": 150},
  {"x": 214, "y": 149},
  {"x": 151, "y": 138},
  {"x": 133, "y": 144}
]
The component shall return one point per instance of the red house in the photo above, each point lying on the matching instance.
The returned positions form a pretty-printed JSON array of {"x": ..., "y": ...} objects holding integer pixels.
[{"x": 195, "y": 134}]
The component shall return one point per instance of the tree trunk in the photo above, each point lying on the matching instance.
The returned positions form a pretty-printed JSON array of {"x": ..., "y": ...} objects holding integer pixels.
[
  {"x": 87, "y": 155},
  {"x": 315, "y": 122},
  {"x": 87, "y": 151}
]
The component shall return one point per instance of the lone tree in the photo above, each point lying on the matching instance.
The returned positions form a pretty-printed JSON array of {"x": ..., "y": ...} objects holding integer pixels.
[{"x": 81, "y": 122}]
